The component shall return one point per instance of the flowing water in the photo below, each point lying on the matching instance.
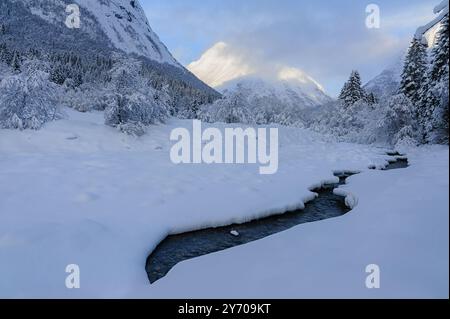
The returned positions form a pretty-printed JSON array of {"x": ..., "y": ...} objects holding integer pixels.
[{"x": 177, "y": 248}]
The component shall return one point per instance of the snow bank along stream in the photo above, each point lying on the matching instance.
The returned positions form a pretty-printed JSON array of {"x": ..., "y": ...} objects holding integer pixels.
[{"x": 177, "y": 248}]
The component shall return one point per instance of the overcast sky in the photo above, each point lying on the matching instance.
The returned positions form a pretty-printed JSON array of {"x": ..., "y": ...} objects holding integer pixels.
[{"x": 325, "y": 38}]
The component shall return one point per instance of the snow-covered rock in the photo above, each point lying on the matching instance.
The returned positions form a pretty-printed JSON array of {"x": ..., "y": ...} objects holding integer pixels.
[{"x": 235, "y": 233}]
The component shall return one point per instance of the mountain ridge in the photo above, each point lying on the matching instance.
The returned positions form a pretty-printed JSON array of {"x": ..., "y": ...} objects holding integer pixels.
[{"x": 122, "y": 22}]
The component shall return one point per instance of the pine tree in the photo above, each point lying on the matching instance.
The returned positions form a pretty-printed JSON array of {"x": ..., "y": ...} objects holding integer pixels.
[
  {"x": 16, "y": 61},
  {"x": 232, "y": 108},
  {"x": 414, "y": 71},
  {"x": 58, "y": 74},
  {"x": 352, "y": 91},
  {"x": 397, "y": 122},
  {"x": 371, "y": 99},
  {"x": 435, "y": 114},
  {"x": 4, "y": 53},
  {"x": 440, "y": 54}
]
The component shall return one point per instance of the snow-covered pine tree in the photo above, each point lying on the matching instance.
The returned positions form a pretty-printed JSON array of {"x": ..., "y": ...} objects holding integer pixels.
[
  {"x": 232, "y": 108},
  {"x": 440, "y": 55},
  {"x": 5, "y": 55},
  {"x": 15, "y": 62},
  {"x": 265, "y": 109},
  {"x": 236, "y": 110},
  {"x": 345, "y": 92},
  {"x": 134, "y": 105},
  {"x": 397, "y": 123},
  {"x": 436, "y": 101},
  {"x": 58, "y": 74},
  {"x": 414, "y": 71},
  {"x": 371, "y": 99},
  {"x": 352, "y": 91}
]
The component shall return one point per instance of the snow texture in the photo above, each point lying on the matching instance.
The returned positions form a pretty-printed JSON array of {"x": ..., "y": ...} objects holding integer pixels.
[
  {"x": 400, "y": 225},
  {"x": 103, "y": 200}
]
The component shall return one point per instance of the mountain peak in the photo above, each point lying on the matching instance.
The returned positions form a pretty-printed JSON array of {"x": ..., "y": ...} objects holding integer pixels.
[
  {"x": 224, "y": 67},
  {"x": 220, "y": 64},
  {"x": 126, "y": 25}
]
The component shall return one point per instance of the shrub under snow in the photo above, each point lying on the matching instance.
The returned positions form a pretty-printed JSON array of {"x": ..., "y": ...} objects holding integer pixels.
[
  {"x": 227, "y": 110},
  {"x": 27, "y": 101},
  {"x": 131, "y": 104},
  {"x": 390, "y": 122}
]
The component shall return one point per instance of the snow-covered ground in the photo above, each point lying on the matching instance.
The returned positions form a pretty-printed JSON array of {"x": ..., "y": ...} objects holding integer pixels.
[
  {"x": 78, "y": 192},
  {"x": 400, "y": 224}
]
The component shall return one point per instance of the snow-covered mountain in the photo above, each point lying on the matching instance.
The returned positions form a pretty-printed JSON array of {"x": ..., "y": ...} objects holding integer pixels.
[
  {"x": 106, "y": 27},
  {"x": 227, "y": 69},
  {"x": 289, "y": 93},
  {"x": 112, "y": 46},
  {"x": 123, "y": 22},
  {"x": 251, "y": 99},
  {"x": 387, "y": 82},
  {"x": 220, "y": 64}
]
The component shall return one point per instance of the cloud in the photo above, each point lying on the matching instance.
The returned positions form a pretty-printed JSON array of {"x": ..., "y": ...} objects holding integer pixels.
[
  {"x": 220, "y": 64},
  {"x": 326, "y": 39},
  {"x": 223, "y": 63},
  {"x": 293, "y": 74},
  {"x": 410, "y": 18}
]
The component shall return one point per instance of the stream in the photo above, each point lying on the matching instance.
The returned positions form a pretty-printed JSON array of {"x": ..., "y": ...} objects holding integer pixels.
[{"x": 177, "y": 248}]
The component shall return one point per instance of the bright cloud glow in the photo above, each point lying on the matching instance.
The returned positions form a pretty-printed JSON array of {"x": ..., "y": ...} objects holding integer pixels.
[
  {"x": 220, "y": 64},
  {"x": 294, "y": 74},
  {"x": 223, "y": 63}
]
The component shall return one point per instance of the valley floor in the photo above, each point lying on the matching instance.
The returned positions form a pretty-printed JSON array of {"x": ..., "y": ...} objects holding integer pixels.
[{"x": 78, "y": 192}]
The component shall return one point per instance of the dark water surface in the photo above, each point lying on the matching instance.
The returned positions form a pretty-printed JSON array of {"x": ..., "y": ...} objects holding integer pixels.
[{"x": 177, "y": 248}]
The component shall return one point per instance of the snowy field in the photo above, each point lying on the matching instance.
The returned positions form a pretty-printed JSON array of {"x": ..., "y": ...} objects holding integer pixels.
[{"x": 78, "y": 192}]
